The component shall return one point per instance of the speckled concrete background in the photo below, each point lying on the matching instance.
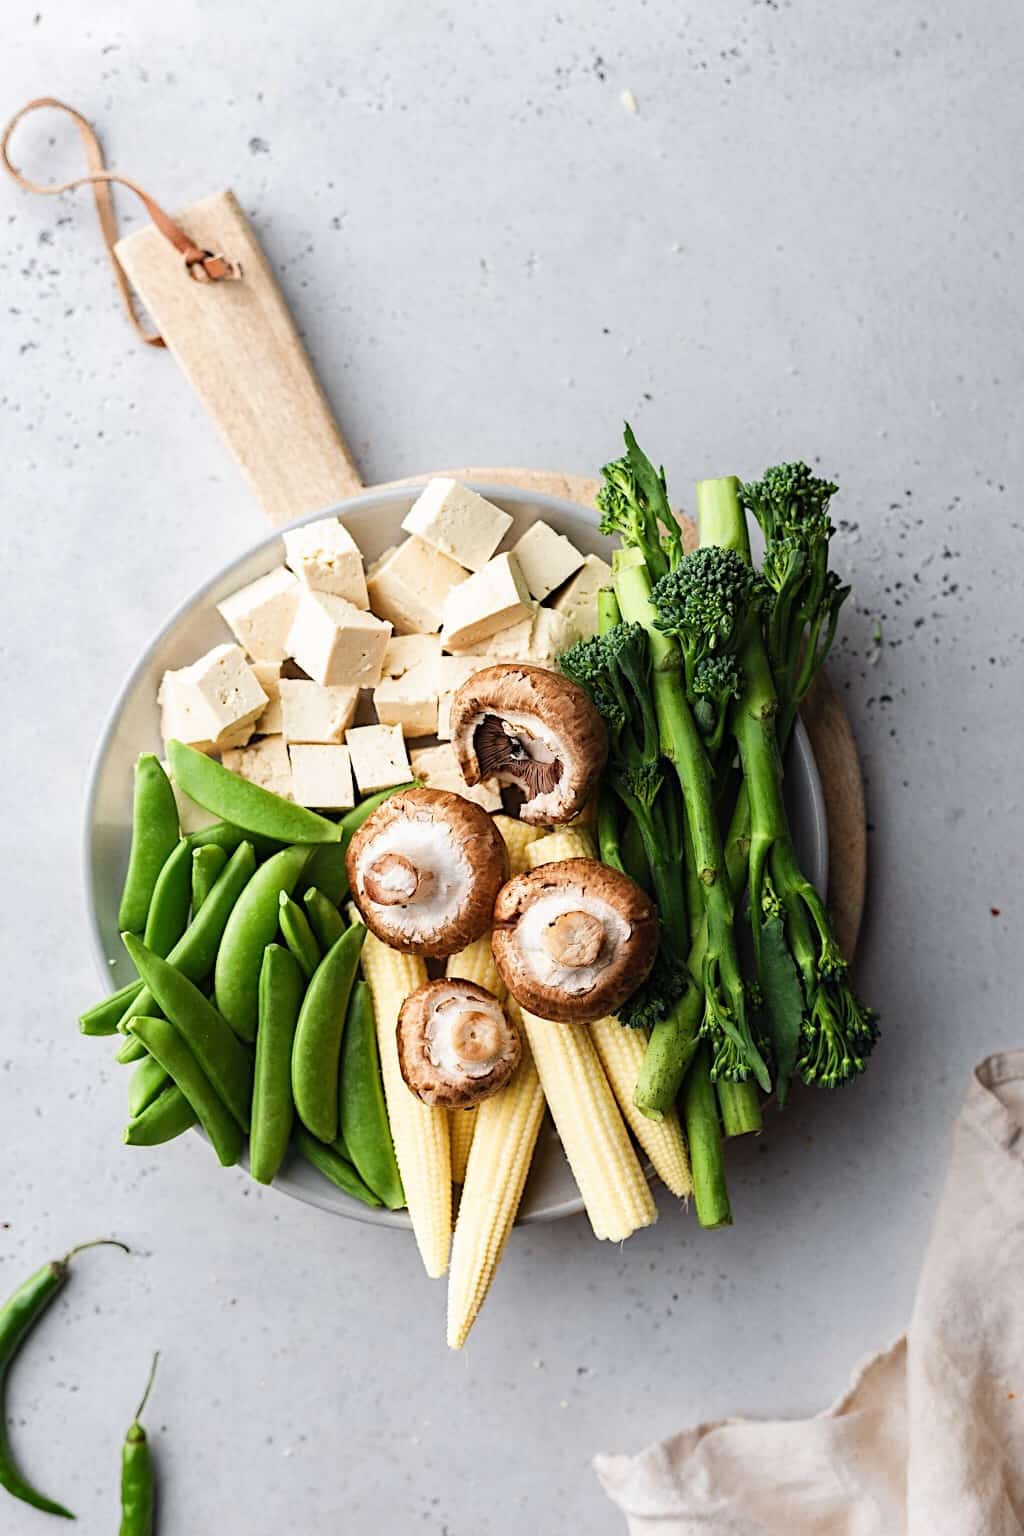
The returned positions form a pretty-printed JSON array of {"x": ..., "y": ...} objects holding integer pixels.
[{"x": 806, "y": 240}]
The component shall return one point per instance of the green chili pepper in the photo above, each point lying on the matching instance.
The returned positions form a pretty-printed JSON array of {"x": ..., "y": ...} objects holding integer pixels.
[
  {"x": 163, "y": 1041},
  {"x": 169, "y": 1116},
  {"x": 221, "y": 1056},
  {"x": 146, "y": 1083},
  {"x": 316, "y": 1053},
  {"x": 365, "y": 1132},
  {"x": 333, "y": 1166},
  {"x": 298, "y": 935},
  {"x": 102, "y": 1018},
  {"x": 207, "y": 863},
  {"x": 326, "y": 868},
  {"x": 18, "y": 1317},
  {"x": 245, "y": 804},
  {"x": 281, "y": 989},
  {"x": 167, "y": 918},
  {"x": 137, "y": 1472},
  {"x": 327, "y": 922},
  {"x": 154, "y": 836},
  {"x": 250, "y": 928}
]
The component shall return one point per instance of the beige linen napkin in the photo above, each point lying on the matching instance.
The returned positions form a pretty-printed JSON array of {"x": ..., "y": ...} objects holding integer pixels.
[{"x": 929, "y": 1440}]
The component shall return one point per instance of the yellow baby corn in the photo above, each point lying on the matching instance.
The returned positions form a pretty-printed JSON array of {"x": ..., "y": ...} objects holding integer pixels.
[
  {"x": 622, "y": 1052},
  {"x": 569, "y": 843},
  {"x": 518, "y": 836},
  {"x": 463, "y": 1127}
]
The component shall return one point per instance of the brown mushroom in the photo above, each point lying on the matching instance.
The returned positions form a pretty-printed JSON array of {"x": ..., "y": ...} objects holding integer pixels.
[
  {"x": 572, "y": 940},
  {"x": 424, "y": 870},
  {"x": 456, "y": 1044},
  {"x": 532, "y": 729}
]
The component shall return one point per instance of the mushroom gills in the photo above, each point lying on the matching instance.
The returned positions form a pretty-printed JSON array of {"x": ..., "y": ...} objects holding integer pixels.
[
  {"x": 466, "y": 1037},
  {"x": 514, "y": 749},
  {"x": 569, "y": 937}
]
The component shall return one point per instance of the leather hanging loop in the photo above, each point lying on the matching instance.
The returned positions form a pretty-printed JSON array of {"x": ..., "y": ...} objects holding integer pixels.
[{"x": 201, "y": 265}]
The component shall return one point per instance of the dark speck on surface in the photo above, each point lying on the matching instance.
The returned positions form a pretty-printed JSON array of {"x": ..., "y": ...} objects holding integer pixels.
[{"x": 258, "y": 146}]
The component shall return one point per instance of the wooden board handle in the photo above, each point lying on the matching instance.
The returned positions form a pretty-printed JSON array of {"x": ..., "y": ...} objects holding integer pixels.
[{"x": 239, "y": 349}]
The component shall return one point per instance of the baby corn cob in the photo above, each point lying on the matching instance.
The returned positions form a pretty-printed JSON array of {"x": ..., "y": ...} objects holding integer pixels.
[
  {"x": 622, "y": 1052},
  {"x": 569, "y": 843},
  {"x": 420, "y": 1133},
  {"x": 518, "y": 836},
  {"x": 462, "y": 1123}
]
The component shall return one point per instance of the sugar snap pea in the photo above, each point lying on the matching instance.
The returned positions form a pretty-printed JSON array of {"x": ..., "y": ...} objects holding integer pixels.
[
  {"x": 222, "y": 1058},
  {"x": 167, "y": 918},
  {"x": 333, "y": 1166},
  {"x": 146, "y": 1083},
  {"x": 196, "y": 950},
  {"x": 250, "y": 928},
  {"x": 326, "y": 868},
  {"x": 154, "y": 836},
  {"x": 207, "y": 863},
  {"x": 168, "y": 1116},
  {"x": 327, "y": 922},
  {"x": 223, "y": 835},
  {"x": 18, "y": 1316},
  {"x": 245, "y": 804},
  {"x": 298, "y": 935},
  {"x": 131, "y": 1050},
  {"x": 163, "y": 1041},
  {"x": 316, "y": 1053},
  {"x": 102, "y": 1018},
  {"x": 281, "y": 989},
  {"x": 137, "y": 1471},
  {"x": 365, "y": 1131}
]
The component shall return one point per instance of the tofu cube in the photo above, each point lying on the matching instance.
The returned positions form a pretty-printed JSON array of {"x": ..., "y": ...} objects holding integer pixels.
[
  {"x": 336, "y": 642},
  {"x": 458, "y": 522},
  {"x": 409, "y": 586},
  {"x": 191, "y": 817},
  {"x": 215, "y": 702},
  {"x": 491, "y": 600},
  {"x": 326, "y": 558},
  {"x": 454, "y": 671},
  {"x": 264, "y": 763},
  {"x": 552, "y": 633},
  {"x": 546, "y": 559},
  {"x": 509, "y": 644},
  {"x": 268, "y": 675},
  {"x": 379, "y": 758},
  {"x": 410, "y": 700},
  {"x": 322, "y": 777},
  {"x": 261, "y": 614},
  {"x": 313, "y": 713},
  {"x": 438, "y": 768},
  {"x": 578, "y": 601},
  {"x": 407, "y": 651}
]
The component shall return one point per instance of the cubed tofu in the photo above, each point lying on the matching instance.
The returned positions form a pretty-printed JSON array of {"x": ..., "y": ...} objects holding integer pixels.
[
  {"x": 552, "y": 633},
  {"x": 326, "y": 558},
  {"x": 261, "y": 614},
  {"x": 312, "y": 713},
  {"x": 509, "y": 644},
  {"x": 410, "y": 700},
  {"x": 322, "y": 777},
  {"x": 215, "y": 702},
  {"x": 268, "y": 675},
  {"x": 458, "y": 522},
  {"x": 453, "y": 672},
  {"x": 379, "y": 758},
  {"x": 264, "y": 763},
  {"x": 546, "y": 559},
  {"x": 335, "y": 642},
  {"x": 438, "y": 768},
  {"x": 410, "y": 584},
  {"x": 191, "y": 817},
  {"x": 407, "y": 651},
  {"x": 578, "y": 601},
  {"x": 491, "y": 600}
]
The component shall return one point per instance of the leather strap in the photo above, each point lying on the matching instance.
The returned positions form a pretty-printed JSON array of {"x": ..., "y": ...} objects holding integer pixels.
[{"x": 201, "y": 265}]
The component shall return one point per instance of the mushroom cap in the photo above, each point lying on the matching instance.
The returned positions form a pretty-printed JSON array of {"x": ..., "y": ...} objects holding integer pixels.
[
  {"x": 424, "y": 870},
  {"x": 534, "y": 729},
  {"x": 572, "y": 940},
  {"x": 456, "y": 1044}
]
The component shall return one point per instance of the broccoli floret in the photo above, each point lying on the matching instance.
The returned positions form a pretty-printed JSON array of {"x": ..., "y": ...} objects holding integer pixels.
[
  {"x": 705, "y": 598},
  {"x": 633, "y": 503},
  {"x": 717, "y": 680},
  {"x": 658, "y": 995}
]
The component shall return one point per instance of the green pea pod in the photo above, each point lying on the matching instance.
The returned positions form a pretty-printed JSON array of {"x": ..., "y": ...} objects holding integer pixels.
[
  {"x": 223, "y": 835},
  {"x": 244, "y": 804},
  {"x": 327, "y": 922},
  {"x": 250, "y": 928},
  {"x": 137, "y": 1472},
  {"x": 163, "y": 1041},
  {"x": 146, "y": 1083},
  {"x": 298, "y": 935},
  {"x": 102, "y": 1018},
  {"x": 167, "y": 918},
  {"x": 222, "y": 1058},
  {"x": 154, "y": 836},
  {"x": 316, "y": 1053},
  {"x": 334, "y": 1167},
  {"x": 207, "y": 863},
  {"x": 281, "y": 989},
  {"x": 196, "y": 950},
  {"x": 365, "y": 1131},
  {"x": 131, "y": 1050},
  {"x": 326, "y": 868},
  {"x": 168, "y": 1117}
]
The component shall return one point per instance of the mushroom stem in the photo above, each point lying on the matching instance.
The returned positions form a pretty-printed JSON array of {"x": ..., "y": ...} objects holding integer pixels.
[
  {"x": 475, "y": 1036},
  {"x": 574, "y": 939},
  {"x": 393, "y": 880}
]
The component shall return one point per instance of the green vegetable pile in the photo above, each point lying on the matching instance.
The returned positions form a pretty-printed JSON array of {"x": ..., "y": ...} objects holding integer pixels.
[{"x": 699, "y": 666}]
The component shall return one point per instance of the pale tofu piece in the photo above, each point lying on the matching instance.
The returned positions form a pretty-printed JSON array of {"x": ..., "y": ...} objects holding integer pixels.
[
  {"x": 546, "y": 559},
  {"x": 452, "y": 673},
  {"x": 379, "y": 758},
  {"x": 312, "y": 713},
  {"x": 410, "y": 701},
  {"x": 509, "y": 644},
  {"x": 326, "y": 558},
  {"x": 264, "y": 763},
  {"x": 322, "y": 777},
  {"x": 578, "y": 601},
  {"x": 458, "y": 522},
  {"x": 438, "y": 768},
  {"x": 268, "y": 675},
  {"x": 214, "y": 703},
  {"x": 261, "y": 614},
  {"x": 191, "y": 816},
  {"x": 407, "y": 651},
  {"x": 491, "y": 600},
  {"x": 335, "y": 642},
  {"x": 552, "y": 633},
  {"x": 409, "y": 586}
]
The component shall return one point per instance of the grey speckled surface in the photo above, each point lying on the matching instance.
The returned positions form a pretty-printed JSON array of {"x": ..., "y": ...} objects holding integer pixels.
[{"x": 806, "y": 241}]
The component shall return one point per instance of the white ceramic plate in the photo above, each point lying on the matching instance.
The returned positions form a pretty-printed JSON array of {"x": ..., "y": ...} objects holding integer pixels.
[{"x": 134, "y": 726}]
